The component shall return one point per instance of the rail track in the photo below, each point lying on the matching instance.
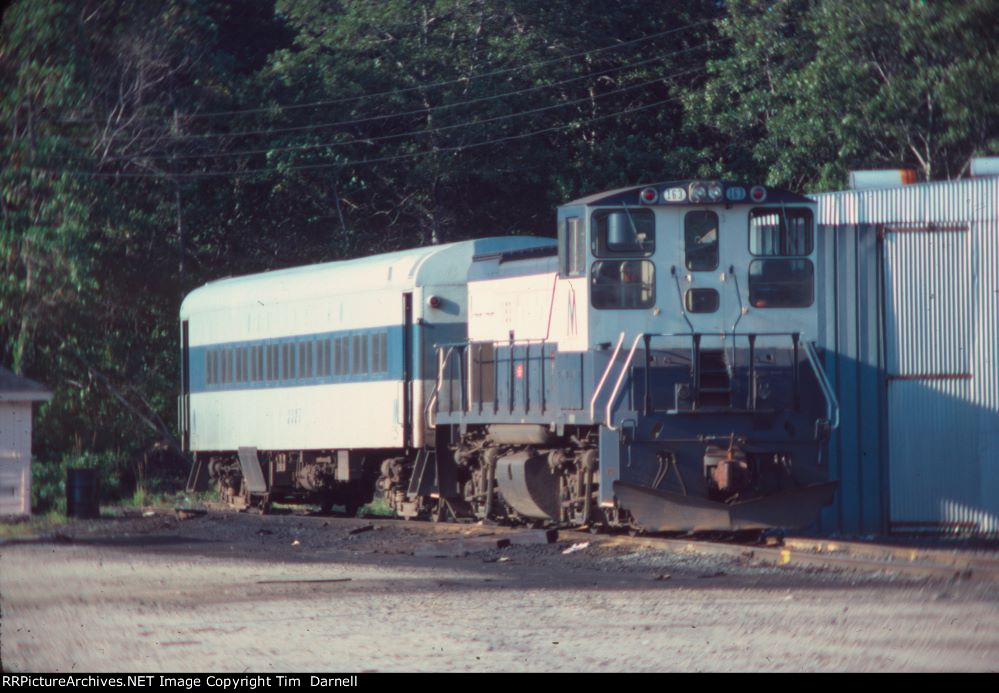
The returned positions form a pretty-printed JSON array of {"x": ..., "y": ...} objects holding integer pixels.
[{"x": 971, "y": 564}]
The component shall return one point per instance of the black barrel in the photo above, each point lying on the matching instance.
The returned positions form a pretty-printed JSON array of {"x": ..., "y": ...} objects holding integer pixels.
[{"x": 82, "y": 493}]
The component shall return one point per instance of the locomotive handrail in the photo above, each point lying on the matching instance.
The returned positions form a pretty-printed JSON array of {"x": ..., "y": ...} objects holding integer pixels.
[
  {"x": 832, "y": 404},
  {"x": 620, "y": 379},
  {"x": 603, "y": 378},
  {"x": 830, "y": 398},
  {"x": 432, "y": 400},
  {"x": 445, "y": 353}
]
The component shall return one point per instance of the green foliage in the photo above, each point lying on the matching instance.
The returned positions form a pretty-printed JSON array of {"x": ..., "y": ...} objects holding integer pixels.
[
  {"x": 48, "y": 479},
  {"x": 376, "y": 508},
  {"x": 815, "y": 88}
]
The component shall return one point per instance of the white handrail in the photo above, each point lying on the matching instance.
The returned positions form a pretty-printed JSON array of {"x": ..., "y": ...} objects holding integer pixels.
[
  {"x": 832, "y": 405},
  {"x": 442, "y": 359},
  {"x": 603, "y": 378},
  {"x": 620, "y": 379}
]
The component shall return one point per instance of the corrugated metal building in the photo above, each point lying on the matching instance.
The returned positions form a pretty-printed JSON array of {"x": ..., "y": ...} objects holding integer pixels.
[{"x": 912, "y": 339}]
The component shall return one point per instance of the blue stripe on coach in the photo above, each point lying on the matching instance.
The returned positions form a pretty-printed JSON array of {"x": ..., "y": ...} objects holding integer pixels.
[{"x": 394, "y": 340}]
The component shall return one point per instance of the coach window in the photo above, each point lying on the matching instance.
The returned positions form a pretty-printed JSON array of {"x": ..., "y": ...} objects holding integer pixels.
[
  {"x": 305, "y": 360},
  {"x": 700, "y": 240},
  {"x": 624, "y": 232},
  {"x": 339, "y": 356},
  {"x": 272, "y": 362},
  {"x": 379, "y": 357},
  {"x": 572, "y": 248},
  {"x": 323, "y": 357},
  {"x": 288, "y": 354},
  {"x": 623, "y": 284},
  {"x": 359, "y": 354},
  {"x": 701, "y": 300}
]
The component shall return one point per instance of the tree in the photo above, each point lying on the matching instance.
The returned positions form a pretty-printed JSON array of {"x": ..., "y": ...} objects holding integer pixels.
[
  {"x": 815, "y": 88},
  {"x": 92, "y": 265}
]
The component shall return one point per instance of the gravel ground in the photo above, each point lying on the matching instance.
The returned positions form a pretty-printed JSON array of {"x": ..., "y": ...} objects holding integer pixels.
[{"x": 234, "y": 592}]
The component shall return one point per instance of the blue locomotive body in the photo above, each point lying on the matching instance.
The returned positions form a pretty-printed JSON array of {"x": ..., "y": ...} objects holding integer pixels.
[{"x": 658, "y": 369}]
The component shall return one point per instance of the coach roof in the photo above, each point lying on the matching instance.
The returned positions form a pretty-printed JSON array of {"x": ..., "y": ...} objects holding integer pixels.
[{"x": 403, "y": 270}]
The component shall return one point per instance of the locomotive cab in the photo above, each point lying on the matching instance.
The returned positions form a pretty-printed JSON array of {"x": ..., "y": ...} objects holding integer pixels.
[
  {"x": 704, "y": 257},
  {"x": 659, "y": 371}
]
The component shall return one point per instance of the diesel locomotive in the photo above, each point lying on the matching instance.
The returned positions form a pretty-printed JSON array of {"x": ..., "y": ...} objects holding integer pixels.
[{"x": 656, "y": 367}]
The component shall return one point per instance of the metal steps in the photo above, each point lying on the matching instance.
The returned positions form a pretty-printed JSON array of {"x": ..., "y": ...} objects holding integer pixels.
[{"x": 715, "y": 386}]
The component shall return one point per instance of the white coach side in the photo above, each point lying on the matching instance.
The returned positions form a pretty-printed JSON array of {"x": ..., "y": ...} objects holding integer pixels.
[{"x": 327, "y": 356}]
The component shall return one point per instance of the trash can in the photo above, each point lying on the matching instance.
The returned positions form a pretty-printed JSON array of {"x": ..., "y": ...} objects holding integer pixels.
[{"x": 82, "y": 493}]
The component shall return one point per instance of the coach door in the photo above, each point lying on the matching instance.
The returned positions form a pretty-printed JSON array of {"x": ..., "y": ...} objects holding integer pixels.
[
  {"x": 407, "y": 370},
  {"x": 185, "y": 387}
]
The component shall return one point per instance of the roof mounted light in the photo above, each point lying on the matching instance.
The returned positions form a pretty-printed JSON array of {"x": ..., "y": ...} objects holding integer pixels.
[
  {"x": 649, "y": 196},
  {"x": 736, "y": 193},
  {"x": 697, "y": 192},
  {"x": 757, "y": 193}
]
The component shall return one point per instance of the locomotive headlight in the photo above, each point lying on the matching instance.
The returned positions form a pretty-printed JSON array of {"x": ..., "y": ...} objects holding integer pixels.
[
  {"x": 735, "y": 194},
  {"x": 434, "y": 301},
  {"x": 649, "y": 196},
  {"x": 757, "y": 193},
  {"x": 697, "y": 192},
  {"x": 715, "y": 192}
]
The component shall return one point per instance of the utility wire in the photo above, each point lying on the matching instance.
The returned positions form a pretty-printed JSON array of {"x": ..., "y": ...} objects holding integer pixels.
[
  {"x": 345, "y": 164},
  {"x": 392, "y": 92},
  {"x": 411, "y": 133},
  {"x": 420, "y": 111}
]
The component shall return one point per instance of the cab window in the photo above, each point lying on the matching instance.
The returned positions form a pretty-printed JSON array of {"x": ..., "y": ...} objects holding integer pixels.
[
  {"x": 781, "y": 283},
  {"x": 785, "y": 236},
  {"x": 700, "y": 240},
  {"x": 777, "y": 231},
  {"x": 624, "y": 232},
  {"x": 623, "y": 284},
  {"x": 701, "y": 300},
  {"x": 572, "y": 248}
]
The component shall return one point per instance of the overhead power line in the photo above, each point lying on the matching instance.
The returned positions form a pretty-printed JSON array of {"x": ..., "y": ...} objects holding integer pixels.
[
  {"x": 420, "y": 111},
  {"x": 405, "y": 90},
  {"x": 359, "y": 162},
  {"x": 411, "y": 133}
]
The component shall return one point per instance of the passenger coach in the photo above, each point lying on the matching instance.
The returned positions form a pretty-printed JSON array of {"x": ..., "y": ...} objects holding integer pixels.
[{"x": 298, "y": 383}]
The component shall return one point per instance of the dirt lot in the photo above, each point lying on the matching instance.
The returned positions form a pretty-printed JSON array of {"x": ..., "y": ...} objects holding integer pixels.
[{"x": 231, "y": 592}]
